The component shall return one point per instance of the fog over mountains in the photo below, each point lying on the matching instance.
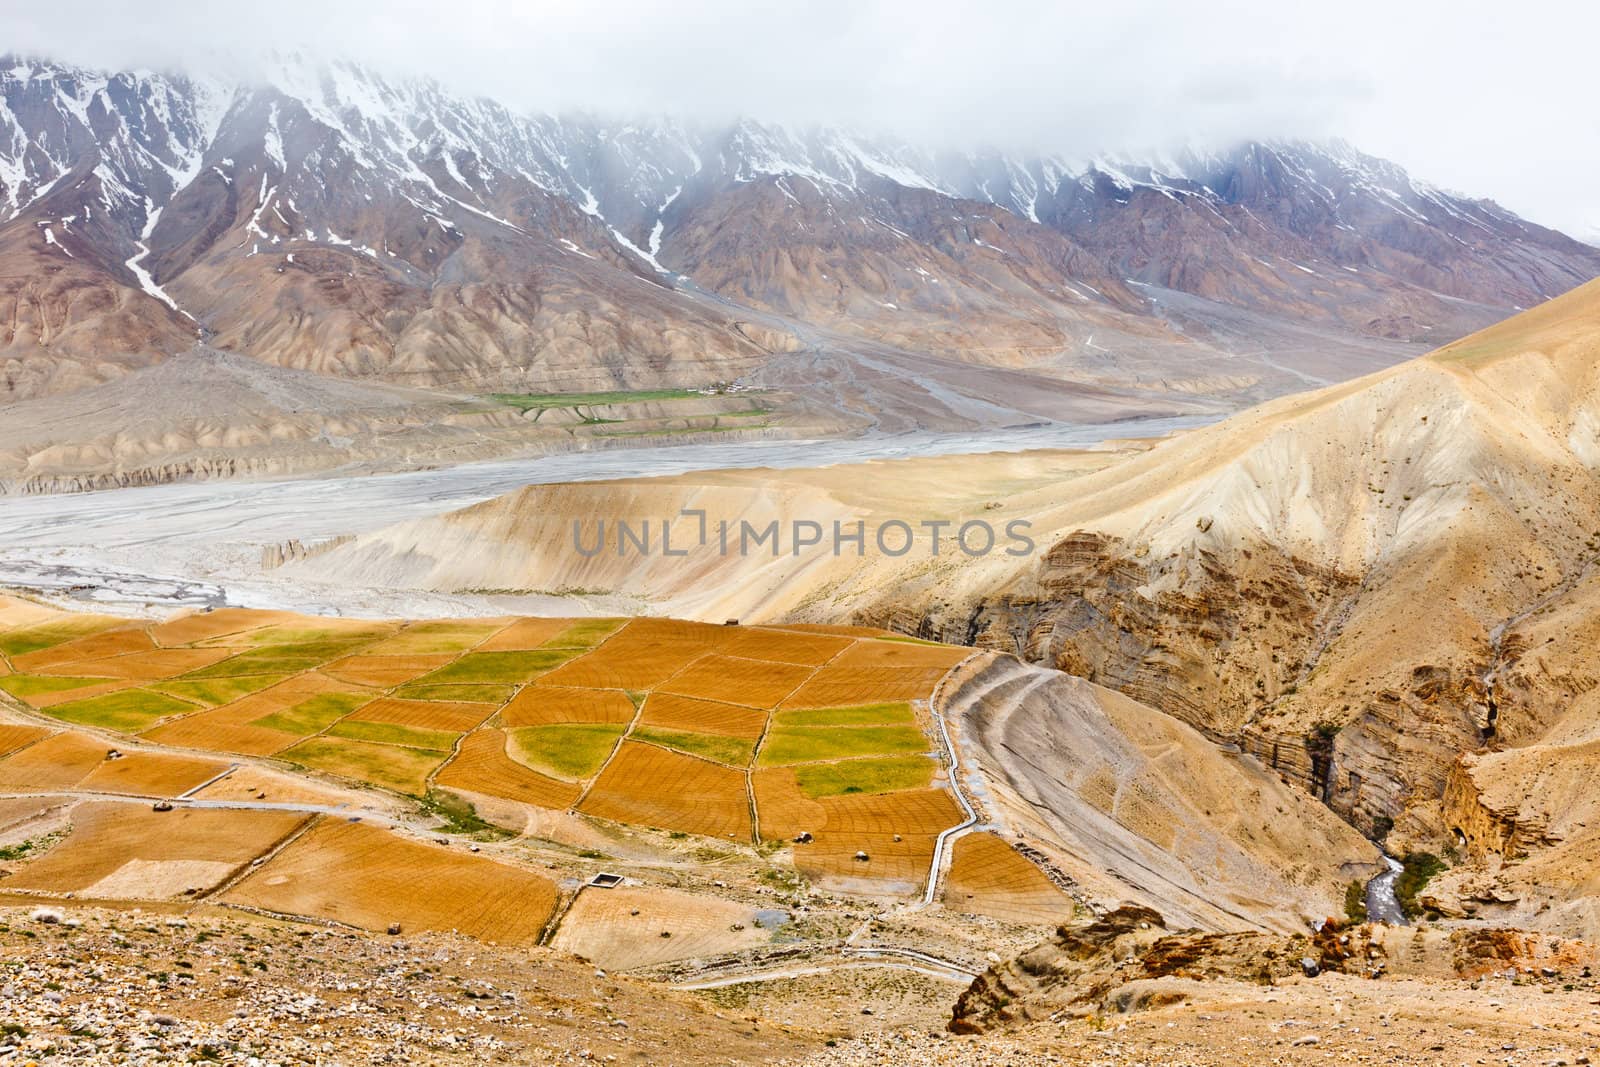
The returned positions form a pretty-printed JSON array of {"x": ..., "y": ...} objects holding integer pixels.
[{"x": 331, "y": 220}]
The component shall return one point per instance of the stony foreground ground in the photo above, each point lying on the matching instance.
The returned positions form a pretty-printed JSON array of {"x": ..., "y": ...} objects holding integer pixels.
[
  {"x": 149, "y": 989},
  {"x": 1330, "y": 1019}
]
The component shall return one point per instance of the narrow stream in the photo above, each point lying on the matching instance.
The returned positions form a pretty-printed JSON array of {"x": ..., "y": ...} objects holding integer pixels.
[{"x": 1382, "y": 904}]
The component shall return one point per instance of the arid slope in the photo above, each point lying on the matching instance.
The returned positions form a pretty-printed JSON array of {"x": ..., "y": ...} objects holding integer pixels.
[{"x": 1359, "y": 585}]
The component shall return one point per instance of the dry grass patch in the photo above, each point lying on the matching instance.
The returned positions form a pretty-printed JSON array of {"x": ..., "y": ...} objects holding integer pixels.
[
  {"x": 671, "y": 712},
  {"x": 18, "y": 614},
  {"x": 649, "y": 786},
  {"x": 104, "y": 645},
  {"x": 368, "y": 877},
  {"x": 902, "y": 653},
  {"x": 386, "y": 733},
  {"x": 152, "y": 774},
  {"x": 542, "y": 705},
  {"x": 568, "y": 750},
  {"x": 782, "y": 808},
  {"x": 384, "y": 672},
  {"x": 751, "y": 682},
  {"x": 229, "y": 729},
  {"x": 525, "y": 634},
  {"x": 20, "y": 818},
  {"x": 890, "y": 714},
  {"x": 127, "y": 851},
  {"x": 278, "y": 659},
  {"x": 29, "y": 687},
  {"x": 59, "y": 761},
  {"x": 470, "y": 694},
  {"x": 891, "y": 867},
  {"x": 426, "y": 714},
  {"x": 305, "y": 629},
  {"x": 292, "y": 649},
  {"x": 840, "y": 686},
  {"x": 642, "y": 655},
  {"x": 917, "y": 811},
  {"x": 482, "y": 766},
  {"x": 161, "y": 664},
  {"x": 622, "y": 928},
  {"x": 989, "y": 877},
  {"x": 26, "y": 646},
  {"x": 16, "y": 735},
  {"x": 220, "y": 731},
  {"x": 404, "y": 770},
  {"x": 842, "y": 826},
  {"x": 47, "y": 700},
  {"x": 313, "y": 715},
  {"x": 437, "y": 637},
  {"x": 585, "y": 633},
  {"x": 249, "y": 783},
  {"x": 786, "y": 646},
  {"x": 212, "y": 625}
]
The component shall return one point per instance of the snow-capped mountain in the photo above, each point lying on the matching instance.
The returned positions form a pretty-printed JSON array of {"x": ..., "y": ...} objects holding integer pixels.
[{"x": 330, "y": 219}]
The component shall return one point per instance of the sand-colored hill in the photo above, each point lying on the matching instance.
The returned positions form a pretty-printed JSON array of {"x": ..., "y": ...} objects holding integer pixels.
[
  {"x": 526, "y": 540},
  {"x": 1133, "y": 805},
  {"x": 1357, "y": 585}
]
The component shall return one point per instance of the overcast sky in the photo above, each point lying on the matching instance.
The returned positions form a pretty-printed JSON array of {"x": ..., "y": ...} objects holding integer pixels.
[{"x": 1489, "y": 99}]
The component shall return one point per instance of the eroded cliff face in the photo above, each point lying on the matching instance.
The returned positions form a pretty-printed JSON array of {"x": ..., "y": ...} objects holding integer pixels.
[
  {"x": 1133, "y": 960},
  {"x": 1231, "y": 642}
]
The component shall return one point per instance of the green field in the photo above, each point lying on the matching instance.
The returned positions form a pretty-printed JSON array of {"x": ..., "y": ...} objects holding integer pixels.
[
  {"x": 808, "y": 744},
  {"x": 861, "y": 715},
  {"x": 585, "y": 634},
  {"x": 570, "y": 750},
  {"x": 129, "y": 711},
  {"x": 388, "y": 733},
  {"x": 436, "y": 637},
  {"x": 542, "y": 401},
  {"x": 23, "y": 686},
  {"x": 504, "y": 668},
  {"x": 405, "y": 770},
  {"x": 313, "y": 716},
  {"x": 280, "y": 636},
  {"x": 865, "y": 776},
  {"x": 214, "y": 692},
  {"x": 734, "y": 751},
  {"x": 288, "y": 658}
]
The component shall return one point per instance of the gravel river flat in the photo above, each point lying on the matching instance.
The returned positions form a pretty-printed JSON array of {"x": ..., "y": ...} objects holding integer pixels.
[{"x": 200, "y": 542}]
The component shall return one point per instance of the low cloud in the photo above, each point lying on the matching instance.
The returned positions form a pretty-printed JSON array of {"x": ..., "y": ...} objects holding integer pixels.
[{"x": 1489, "y": 100}]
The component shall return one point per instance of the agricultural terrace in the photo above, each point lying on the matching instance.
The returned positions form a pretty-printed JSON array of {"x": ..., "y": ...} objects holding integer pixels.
[{"x": 744, "y": 733}]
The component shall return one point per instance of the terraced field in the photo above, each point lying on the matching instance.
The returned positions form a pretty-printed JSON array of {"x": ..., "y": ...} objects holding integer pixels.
[{"x": 742, "y": 733}]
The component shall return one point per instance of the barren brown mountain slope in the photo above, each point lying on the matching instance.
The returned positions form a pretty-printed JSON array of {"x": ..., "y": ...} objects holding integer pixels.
[
  {"x": 210, "y": 414},
  {"x": 1359, "y": 585},
  {"x": 68, "y": 318}
]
